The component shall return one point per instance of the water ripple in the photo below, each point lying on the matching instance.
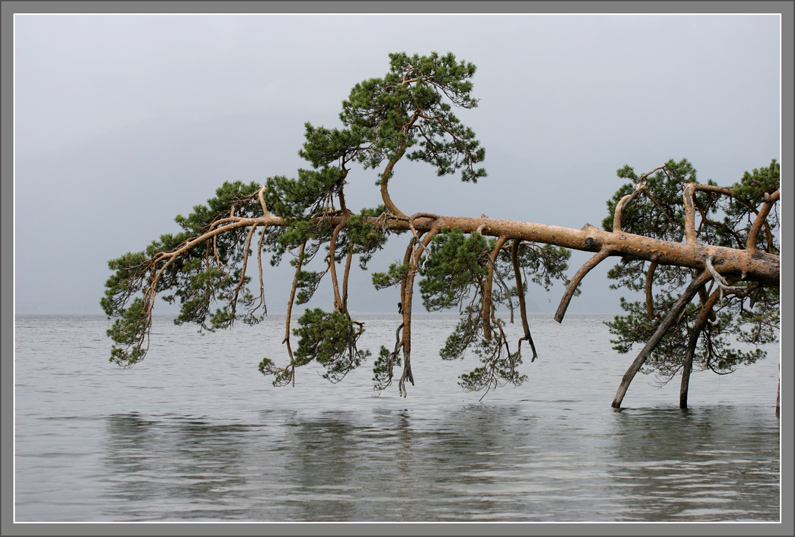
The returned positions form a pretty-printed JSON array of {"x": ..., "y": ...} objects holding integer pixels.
[{"x": 195, "y": 433}]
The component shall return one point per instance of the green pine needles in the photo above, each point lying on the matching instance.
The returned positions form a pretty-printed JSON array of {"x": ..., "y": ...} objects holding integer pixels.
[
  {"x": 704, "y": 257},
  {"x": 732, "y": 320}
]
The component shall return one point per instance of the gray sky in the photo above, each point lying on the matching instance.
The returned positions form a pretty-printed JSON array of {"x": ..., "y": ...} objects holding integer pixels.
[{"x": 122, "y": 122}]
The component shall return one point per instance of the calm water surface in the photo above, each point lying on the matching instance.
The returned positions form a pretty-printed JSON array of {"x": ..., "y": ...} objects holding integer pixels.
[{"x": 195, "y": 433}]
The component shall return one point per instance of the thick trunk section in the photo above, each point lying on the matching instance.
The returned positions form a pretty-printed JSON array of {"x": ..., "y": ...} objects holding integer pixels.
[
  {"x": 757, "y": 266},
  {"x": 739, "y": 264}
]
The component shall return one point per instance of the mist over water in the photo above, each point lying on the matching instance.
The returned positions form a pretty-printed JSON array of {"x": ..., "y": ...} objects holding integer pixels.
[{"x": 195, "y": 433}]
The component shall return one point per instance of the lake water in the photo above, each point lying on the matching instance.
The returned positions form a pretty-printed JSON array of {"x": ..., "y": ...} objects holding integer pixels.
[{"x": 195, "y": 433}]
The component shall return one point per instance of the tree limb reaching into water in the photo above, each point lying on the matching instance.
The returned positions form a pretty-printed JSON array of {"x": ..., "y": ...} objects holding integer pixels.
[{"x": 705, "y": 258}]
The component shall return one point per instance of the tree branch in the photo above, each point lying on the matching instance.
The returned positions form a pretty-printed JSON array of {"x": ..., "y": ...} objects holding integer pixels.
[
  {"x": 626, "y": 200},
  {"x": 703, "y": 316},
  {"x": 575, "y": 281},
  {"x": 649, "y": 298},
  {"x": 722, "y": 283},
  {"x": 407, "y": 299},
  {"x": 621, "y": 204},
  {"x": 332, "y": 262},
  {"x": 761, "y": 219},
  {"x": 290, "y": 302},
  {"x": 522, "y": 306},
  {"x": 688, "y": 197},
  {"x": 662, "y": 329},
  {"x": 345, "y": 279},
  {"x": 487, "y": 302},
  {"x": 385, "y": 176}
]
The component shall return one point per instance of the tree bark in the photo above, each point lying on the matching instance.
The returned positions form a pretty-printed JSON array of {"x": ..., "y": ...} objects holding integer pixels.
[
  {"x": 759, "y": 266},
  {"x": 520, "y": 291},
  {"x": 704, "y": 315},
  {"x": 407, "y": 301},
  {"x": 666, "y": 323},
  {"x": 487, "y": 287},
  {"x": 575, "y": 281},
  {"x": 743, "y": 265},
  {"x": 707, "y": 260}
]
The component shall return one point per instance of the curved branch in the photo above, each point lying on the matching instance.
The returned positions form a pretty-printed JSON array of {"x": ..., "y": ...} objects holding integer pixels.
[
  {"x": 575, "y": 281},
  {"x": 407, "y": 293},
  {"x": 245, "y": 264},
  {"x": 688, "y": 198},
  {"x": 390, "y": 205},
  {"x": 623, "y": 202},
  {"x": 290, "y": 303},
  {"x": 415, "y": 216},
  {"x": 649, "y": 300},
  {"x": 261, "y": 198},
  {"x": 332, "y": 264},
  {"x": 387, "y": 173},
  {"x": 640, "y": 186},
  {"x": 761, "y": 218},
  {"x": 520, "y": 292},
  {"x": 722, "y": 283},
  {"x": 488, "y": 306}
]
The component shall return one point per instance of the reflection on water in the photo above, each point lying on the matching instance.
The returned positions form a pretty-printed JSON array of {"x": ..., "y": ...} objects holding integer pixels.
[
  {"x": 194, "y": 433},
  {"x": 709, "y": 463},
  {"x": 474, "y": 463},
  {"x": 165, "y": 465}
]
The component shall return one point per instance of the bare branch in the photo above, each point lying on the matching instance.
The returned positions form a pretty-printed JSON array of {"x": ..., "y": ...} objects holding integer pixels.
[
  {"x": 649, "y": 300},
  {"x": 722, "y": 283},
  {"x": 623, "y": 202},
  {"x": 688, "y": 196},
  {"x": 575, "y": 281},
  {"x": 640, "y": 186},
  {"x": 332, "y": 264},
  {"x": 260, "y": 196},
  {"x": 290, "y": 302},
  {"x": 392, "y": 356},
  {"x": 761, "y": 219},
  {"x": 488, "y": 305},
  {"x": 345, "y": 278},
  {"x": 522, "y": 304},
  {"x": 414, "y": 230},
  {"x": 407, "y": 293},
  {"x": 259, "y": 270}
]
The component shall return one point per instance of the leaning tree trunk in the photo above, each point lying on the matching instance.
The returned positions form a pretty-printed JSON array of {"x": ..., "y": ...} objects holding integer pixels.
[
  {"x": 698, "y": 326},
  {"x": 738, "y": 264},
  {"x": 662, "y": 329}
]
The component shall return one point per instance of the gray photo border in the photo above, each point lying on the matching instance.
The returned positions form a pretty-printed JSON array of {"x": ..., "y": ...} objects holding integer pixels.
[{"x": 9, "y": 8}]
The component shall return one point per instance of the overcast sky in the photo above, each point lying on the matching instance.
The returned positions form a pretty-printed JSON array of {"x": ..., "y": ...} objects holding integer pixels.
[{"x": 124, "y": 121}]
